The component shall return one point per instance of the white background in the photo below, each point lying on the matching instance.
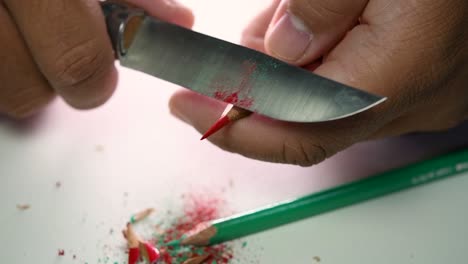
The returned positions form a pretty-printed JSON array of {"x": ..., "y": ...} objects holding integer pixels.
[{"x": 130, "y": 154}]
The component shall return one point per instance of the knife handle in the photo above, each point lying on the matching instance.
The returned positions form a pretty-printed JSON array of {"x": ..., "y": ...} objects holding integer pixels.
[{"x": 123, "y": 22}]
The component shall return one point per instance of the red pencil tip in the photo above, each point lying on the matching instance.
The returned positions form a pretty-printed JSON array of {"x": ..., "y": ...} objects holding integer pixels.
[{"x": 222, "y": 122}]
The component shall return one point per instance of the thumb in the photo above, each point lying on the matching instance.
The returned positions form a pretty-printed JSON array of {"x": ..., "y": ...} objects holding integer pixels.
[{"x": 303, "y": 30}]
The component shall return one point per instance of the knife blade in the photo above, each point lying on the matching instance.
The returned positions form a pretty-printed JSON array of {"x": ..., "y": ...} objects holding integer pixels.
[{"x": 228, "y": 72}]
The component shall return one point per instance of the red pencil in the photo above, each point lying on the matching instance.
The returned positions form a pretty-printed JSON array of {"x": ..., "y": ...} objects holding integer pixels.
[{"x": 234, "y": 114}]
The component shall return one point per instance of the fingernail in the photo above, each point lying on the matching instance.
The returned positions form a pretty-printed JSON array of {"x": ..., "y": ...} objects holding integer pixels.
[{"x": 289, "y": 39}]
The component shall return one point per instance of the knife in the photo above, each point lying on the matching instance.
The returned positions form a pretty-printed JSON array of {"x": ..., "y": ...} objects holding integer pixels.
[{"x": 226, "y": 71}]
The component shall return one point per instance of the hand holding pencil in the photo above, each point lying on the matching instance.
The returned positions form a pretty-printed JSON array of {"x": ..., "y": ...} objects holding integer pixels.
[{"x": 358, "y": 52}]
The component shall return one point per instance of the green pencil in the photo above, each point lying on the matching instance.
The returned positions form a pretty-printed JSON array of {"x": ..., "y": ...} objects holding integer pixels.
[{"x": 258, "y": 220}]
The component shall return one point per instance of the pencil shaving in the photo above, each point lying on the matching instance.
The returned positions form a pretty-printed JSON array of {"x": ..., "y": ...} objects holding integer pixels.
[
  {"x": 23, "y": 207},
  {"x": 201, "y": 238},
  {"x": 237, "y": 113},
  {"x": 141, "y": 215},
  {"x": 138, "y": 247},
  {"x": 197, "y": 259}
]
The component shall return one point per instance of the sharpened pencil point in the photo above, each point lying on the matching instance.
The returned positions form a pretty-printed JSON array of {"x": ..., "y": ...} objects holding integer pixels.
[
  {"x": 222, "y": 122},
  {"x": 235, "y": 113}
]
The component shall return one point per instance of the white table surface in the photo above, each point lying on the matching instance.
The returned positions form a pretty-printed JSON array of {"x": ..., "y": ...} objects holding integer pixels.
[{"x": 127, "y": 155}]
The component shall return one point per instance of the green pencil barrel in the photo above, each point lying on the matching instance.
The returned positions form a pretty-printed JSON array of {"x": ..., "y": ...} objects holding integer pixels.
[{"x": 392, "y": 181}]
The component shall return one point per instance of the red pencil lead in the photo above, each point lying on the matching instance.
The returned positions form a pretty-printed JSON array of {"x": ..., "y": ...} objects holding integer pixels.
[
  {"x": 220, "y": 123},
  {"x": 234, "y": 114},
  {"x": 137, "y": 247}
]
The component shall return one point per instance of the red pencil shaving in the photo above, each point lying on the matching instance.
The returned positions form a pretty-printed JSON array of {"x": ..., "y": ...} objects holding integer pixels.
[
  {"x": 137, "y": 247},
  {"x": 234, "y": 114}
]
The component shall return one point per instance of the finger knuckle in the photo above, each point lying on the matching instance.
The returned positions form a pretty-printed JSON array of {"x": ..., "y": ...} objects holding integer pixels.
[
  {"x": 23, "y": 108},
  {"x": 303, "y": 152},
  {"x": 318, "y": 10},
  {"x": 80, "y": 64}
]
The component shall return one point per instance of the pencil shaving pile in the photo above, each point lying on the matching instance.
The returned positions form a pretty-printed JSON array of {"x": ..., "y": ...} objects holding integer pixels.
[{"x": 196, "y": 211}]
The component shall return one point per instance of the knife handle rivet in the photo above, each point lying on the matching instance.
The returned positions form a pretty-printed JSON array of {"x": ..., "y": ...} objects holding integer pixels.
[{"x": 122, "y": 22}]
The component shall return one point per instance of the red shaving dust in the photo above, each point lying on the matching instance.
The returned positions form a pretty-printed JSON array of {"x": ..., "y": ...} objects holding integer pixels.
[
  {"x": 197, "y": 212},
  {"x": 233, "y": 98},
  {"x": 224, "y": 92}
]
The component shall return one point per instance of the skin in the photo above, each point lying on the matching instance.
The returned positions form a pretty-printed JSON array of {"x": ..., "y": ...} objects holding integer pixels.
[
  {"x": 413, "y": 52},
  {"x": 55, "y": 47}
]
